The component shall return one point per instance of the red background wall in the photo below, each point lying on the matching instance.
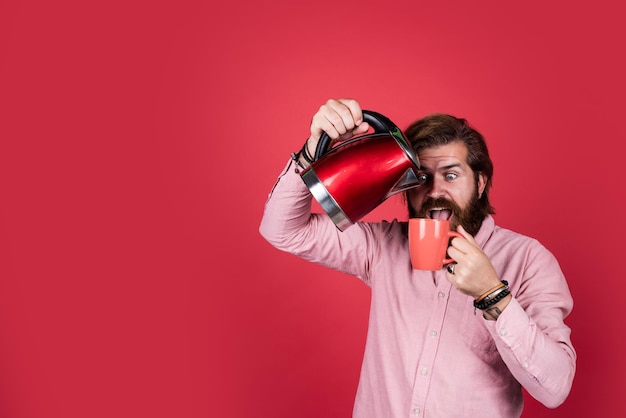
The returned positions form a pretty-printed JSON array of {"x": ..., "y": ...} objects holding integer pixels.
[{"x": 139, "y": 140}]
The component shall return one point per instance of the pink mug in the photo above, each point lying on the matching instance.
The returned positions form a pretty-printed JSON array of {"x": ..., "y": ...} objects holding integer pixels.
[{"x": 428, "y": 243}]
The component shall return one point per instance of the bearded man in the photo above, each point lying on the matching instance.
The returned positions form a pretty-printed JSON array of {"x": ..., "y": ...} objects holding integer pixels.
[{"x": 429, "y": 351}]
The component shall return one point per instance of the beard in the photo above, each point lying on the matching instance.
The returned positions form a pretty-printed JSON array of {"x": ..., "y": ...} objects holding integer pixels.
[{"x": 470, "y": 218}]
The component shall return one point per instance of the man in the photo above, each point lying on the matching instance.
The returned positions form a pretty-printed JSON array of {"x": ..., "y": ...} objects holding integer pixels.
[{"x": 430, "y": 352}]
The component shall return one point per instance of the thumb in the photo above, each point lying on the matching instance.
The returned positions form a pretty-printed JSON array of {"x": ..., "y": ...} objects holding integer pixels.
[
  {"x": 358, "y": 130},
  {"x": 462, "y": 231},
  {"x": 465, "y": 234},
  {"x": 361, "y": 128}
]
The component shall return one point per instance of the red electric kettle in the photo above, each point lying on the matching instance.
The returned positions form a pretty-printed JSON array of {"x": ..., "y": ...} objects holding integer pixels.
[{"x": 354, "y": 177}]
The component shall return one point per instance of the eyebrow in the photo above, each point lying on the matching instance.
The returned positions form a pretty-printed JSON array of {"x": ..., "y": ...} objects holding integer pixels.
[{"x": 446, "y": 167}]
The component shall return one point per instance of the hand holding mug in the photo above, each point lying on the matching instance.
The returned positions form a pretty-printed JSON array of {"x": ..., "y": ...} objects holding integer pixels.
[{"x": 474, "y": 273}]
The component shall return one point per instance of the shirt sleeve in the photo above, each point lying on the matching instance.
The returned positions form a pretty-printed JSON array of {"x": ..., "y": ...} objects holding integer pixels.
[
  {"x": 289, "y": 225},
  {"x": 531, "y": 335}
]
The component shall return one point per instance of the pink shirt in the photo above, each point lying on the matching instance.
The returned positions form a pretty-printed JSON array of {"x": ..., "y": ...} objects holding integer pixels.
[{"x": 427, "y": 354}]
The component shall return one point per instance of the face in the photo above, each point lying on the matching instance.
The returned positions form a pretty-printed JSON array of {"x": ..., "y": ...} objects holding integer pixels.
[{"x": 450, "y": 189}]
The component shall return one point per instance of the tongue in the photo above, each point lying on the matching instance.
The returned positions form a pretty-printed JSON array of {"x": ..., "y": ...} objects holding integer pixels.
[{"x": 443, "y": 214}]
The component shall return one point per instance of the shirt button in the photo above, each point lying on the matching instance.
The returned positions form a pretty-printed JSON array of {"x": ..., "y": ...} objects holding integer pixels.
[
  {"x": 526, "y": 364},
  {"x": 433, "y": 333},
  {"x": 441, "y": 295},
  {"x": 424, "y": 371},
  {"x": 416, "y": 411},
  {"x": 503, "y": 332}
]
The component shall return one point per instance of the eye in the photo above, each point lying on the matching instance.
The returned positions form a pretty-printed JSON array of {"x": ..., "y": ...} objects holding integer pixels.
[
  {"x": 451, "y": 176},
  {"x": 422, "y": 178}
]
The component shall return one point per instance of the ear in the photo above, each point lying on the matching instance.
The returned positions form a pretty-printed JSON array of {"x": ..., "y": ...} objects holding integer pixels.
[{"x": 482, "y": 183}]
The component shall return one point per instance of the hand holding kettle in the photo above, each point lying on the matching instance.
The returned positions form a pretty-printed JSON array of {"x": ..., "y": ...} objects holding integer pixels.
[
  {"x": 341, "y": 120},
  {"x": 350, "y": 179}
]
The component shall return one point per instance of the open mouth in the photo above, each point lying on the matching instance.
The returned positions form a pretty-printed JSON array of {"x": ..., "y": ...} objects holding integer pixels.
[{"x": 440, "y": 214}]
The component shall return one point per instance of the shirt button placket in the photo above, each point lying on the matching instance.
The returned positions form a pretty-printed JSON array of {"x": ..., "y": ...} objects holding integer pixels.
[{"x": 424, "y": 370}]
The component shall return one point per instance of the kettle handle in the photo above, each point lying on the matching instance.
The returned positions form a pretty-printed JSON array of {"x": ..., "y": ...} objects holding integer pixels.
[{"x": 377, "y": 121}]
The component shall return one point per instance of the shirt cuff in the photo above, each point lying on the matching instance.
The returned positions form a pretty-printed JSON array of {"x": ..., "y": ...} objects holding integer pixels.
[{"x": 512, "y": 323}]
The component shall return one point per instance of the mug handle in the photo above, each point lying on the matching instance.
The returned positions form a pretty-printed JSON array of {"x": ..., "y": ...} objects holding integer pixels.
[{"x": 451, "y": 234}]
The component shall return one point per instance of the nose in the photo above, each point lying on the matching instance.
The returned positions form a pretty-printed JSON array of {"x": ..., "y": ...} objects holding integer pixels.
[{"x": 437, "y": 189}]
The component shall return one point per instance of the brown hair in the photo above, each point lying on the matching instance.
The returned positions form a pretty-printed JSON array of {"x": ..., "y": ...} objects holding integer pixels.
[{"x": 441, "y": 129}]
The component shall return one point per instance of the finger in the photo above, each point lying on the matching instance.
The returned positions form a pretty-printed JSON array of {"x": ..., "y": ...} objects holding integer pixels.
[
  {"x": 321, "y": 124},
  {"x": 323, "y": 121},
  {"x": 460, "y": 244},
  {"x": 339, "y": 119},
  {"x": 456, "y": 254},
  {"x": 463, "y": 232},
  {"x": 345, "y": 115},
  {"x": 354, "y": 123},
  {"x": 467, "y": 241},
  {"x": 328, "y": 119},
  {"x": 355, "y": 110},
  {"x": 361, "y": 128}
]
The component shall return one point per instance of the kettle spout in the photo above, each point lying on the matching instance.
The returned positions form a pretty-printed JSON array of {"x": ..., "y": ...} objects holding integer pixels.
[{"x": 407, "y": 181}]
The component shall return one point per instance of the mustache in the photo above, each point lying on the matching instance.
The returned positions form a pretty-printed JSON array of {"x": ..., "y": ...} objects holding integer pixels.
[{"x": 439, "y": 203}]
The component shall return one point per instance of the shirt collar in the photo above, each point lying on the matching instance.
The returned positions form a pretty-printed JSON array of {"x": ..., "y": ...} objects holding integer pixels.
[{"x": 485, "y": 231}]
